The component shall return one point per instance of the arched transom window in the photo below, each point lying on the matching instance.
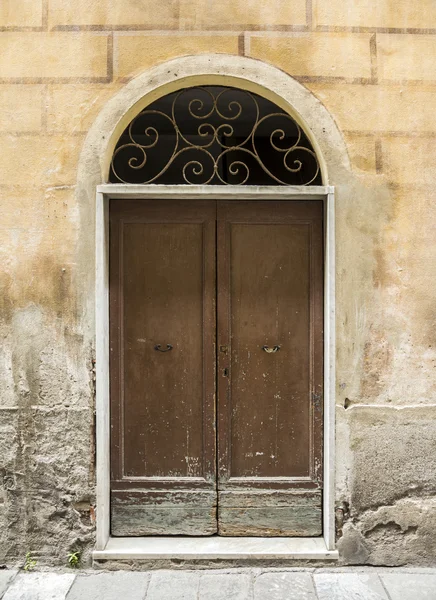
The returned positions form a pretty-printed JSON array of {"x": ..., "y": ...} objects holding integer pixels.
[{"x": 214, "y": 135}]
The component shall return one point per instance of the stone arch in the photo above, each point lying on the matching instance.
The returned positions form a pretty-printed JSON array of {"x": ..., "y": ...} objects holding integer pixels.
[{"x": 214, "y": 69}]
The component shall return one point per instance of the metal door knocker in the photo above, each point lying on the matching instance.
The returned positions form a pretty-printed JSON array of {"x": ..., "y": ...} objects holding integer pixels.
[{"x": 159, "y": 348}]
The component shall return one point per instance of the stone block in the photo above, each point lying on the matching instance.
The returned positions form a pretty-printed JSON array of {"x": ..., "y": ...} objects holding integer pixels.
[
  {"x": 38, "y": 209},
  {"x": 366, "y": 13},
  {"x": 47, "y": 281},
  {"x": 44, "y": 283},
  {"x": 60, "y": 446},
  {"x": 177, "y": 586},
  {"x": 109, "y": 586},
  {"x": 394, "y": 453},
  {"x": 73, "y": 108},
  {"x": 349, "y": 586},
  {"x": 40, "y": 586},
  {"x": 109, "y": 13},
  {"x": 362, "y": 152},
  {"x": 25, "y": 13},
  {"x": 215, "y": 586},
  {"x": 134, "y": 53},
  {"x": 372, "y": 108},
  {"x": 9, "y": 446},
  {"x": 410, "y": 586},
  {"x": 43, "y": 160},
  {"x": 203, "y": 14},
  {"x": 52, "y": 452},
  {"x": 315, "y": 54},
  {"x": 396, "y": 534},
  {"x": 53, "y": 55},
  {"x": 409, "y": 160},
  {"x": 278, "y": 586},
  {"x": 406, "y": 57},
  {"x": 20, "y": 107}
]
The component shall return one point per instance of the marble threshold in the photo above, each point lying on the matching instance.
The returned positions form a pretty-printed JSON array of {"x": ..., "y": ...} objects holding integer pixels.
[{"x": 215, "y": 547}]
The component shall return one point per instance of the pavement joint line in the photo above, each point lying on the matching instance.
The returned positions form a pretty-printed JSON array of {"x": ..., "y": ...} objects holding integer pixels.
[
  {"x": 198, "y": 585},
  {"x": 147, "y": 586},
  {"x": 253, "y": 576},
  {"x": 69, "y": 589},
  {"x": 312, "y": 575},
  {"x": 384, "y": 587}
]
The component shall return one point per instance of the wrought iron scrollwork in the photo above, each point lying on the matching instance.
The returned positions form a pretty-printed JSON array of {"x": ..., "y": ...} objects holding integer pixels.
[{"x": 214, "y": 135}]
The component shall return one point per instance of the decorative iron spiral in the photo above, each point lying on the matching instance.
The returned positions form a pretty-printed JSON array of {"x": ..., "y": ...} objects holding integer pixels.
[{"x": 214, "y": 135}]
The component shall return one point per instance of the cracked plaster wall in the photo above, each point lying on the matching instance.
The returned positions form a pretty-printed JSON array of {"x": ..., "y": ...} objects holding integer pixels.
[{"x": 373, "y": 69}]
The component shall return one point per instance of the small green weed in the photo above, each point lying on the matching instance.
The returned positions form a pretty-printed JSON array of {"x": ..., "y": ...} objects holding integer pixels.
[
  {"x": 74, "y": 559},
  {"x": 30, "y": 563}
]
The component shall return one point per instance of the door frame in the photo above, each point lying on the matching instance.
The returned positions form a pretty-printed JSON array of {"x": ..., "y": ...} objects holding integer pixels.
[{"x": 106, "y": 192}]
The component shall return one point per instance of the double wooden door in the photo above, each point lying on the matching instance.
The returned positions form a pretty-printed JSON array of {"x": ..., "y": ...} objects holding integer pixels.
[{"x": 216, "y": 340}]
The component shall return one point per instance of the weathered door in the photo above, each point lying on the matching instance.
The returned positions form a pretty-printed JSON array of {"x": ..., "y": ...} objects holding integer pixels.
[
  {"x": 245, "y": 278},
  {"x": 270, "y": 321},
  {"x": 162, "y": 364}
]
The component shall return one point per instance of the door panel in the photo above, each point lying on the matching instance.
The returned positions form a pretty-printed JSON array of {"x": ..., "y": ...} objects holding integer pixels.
[
  {"x": 171, "y": 280},
  {"x": 270, "y": 410},
  {"x": 264, "y": 513},
  {"x": 162, "y": 304}
]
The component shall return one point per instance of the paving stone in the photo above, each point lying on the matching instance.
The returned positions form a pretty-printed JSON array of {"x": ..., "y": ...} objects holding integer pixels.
[
  {"x": 349, "y": 586},
  {"x": 5, "y": 579},
  {"x": 216, "y": 586},
  {"x": 410, "y": 586},
  {"x": 110, "y": 586},
  {"x": 170, "y": 585},
  {"x": 39, "y": 586},
  {"x": 284, "y": 586}
]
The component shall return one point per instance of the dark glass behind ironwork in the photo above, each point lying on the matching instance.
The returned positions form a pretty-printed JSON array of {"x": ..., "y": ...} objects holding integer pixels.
[{"x": 214, "y": 135}]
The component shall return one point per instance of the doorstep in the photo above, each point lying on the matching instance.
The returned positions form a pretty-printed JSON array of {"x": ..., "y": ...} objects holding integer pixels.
[{"x": 215, "y": 547}]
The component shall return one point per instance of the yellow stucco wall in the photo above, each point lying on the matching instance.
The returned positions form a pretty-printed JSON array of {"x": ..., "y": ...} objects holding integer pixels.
[{"x": 373, "y": 66}]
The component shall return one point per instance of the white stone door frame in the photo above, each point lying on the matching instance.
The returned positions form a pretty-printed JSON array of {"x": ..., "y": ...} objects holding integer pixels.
[{"x": 108, "y": 547}]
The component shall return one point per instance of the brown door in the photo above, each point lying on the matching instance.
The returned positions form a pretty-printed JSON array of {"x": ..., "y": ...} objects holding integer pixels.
[
  {"x": 270, "y": 368},
  {"x": 162, "y": 315},
  {"x": 178, "y": 291}
]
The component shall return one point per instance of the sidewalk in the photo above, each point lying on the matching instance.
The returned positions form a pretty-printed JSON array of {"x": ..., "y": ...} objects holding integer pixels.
[{"x": 238, "y": 584}]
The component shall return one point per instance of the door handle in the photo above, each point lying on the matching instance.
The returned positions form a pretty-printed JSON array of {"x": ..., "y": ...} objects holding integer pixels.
[
  {"x": 271, "y": 350},
  {"x": 159, "y": 348}
]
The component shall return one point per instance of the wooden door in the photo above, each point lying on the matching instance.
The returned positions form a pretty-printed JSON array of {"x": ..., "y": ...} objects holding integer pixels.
[
  {"x": 254, "y": 290},
  {"x": 162, "y": 365},
  {"x": 270, "y": 321}
]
